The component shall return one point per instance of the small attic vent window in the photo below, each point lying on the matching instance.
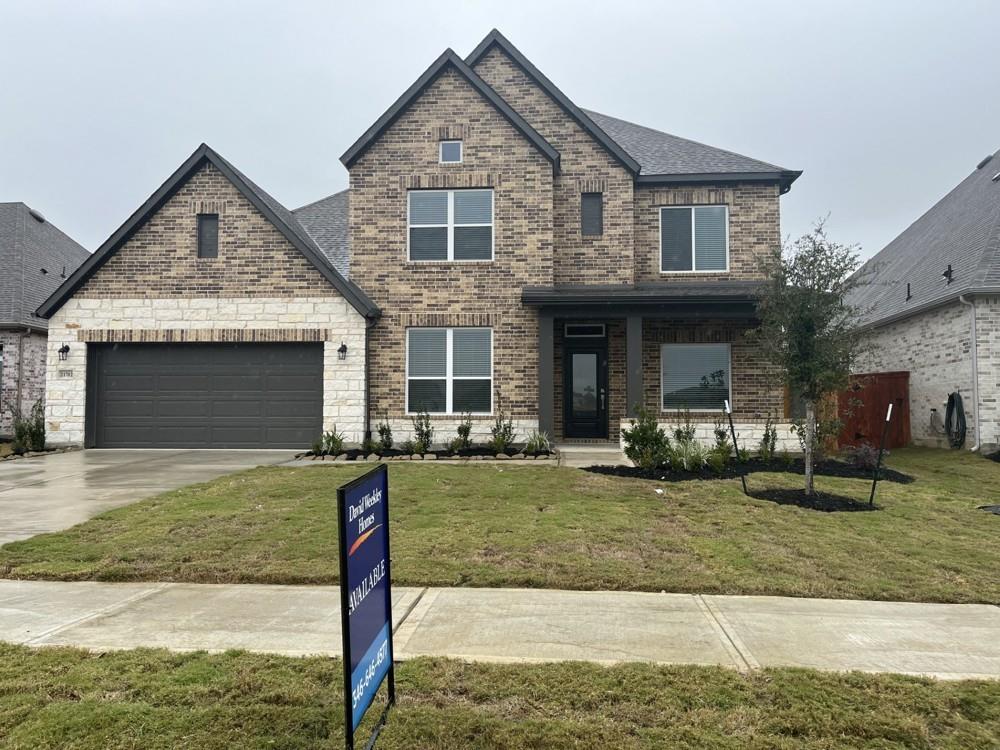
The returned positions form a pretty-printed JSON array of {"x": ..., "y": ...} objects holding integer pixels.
[{"x": 36, "y": 215}]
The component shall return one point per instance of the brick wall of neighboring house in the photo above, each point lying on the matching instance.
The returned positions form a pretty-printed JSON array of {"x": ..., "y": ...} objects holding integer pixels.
[
  {"x": 156, "y": 283},
  {"x": 22, "y": 366},
  {"x": 934, "y": 347},
  {"x": 585, "y": 167},
  {"x": 453, "y": 294},
  {"x": 754, "y": 227},
  {"x": 988, "y": 336}
]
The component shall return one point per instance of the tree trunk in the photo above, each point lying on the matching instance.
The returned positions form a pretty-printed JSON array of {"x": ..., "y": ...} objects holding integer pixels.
[{"x": 810, "y": 442}]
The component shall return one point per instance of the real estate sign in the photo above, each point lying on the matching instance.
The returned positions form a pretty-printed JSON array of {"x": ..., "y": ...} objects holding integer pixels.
[{"x": 365, "y": 595}]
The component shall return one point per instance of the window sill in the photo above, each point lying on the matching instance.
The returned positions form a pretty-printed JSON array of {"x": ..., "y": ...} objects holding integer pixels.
[
  {"x": 419, "y": 263},
  {"x": 690, "y": 273}
]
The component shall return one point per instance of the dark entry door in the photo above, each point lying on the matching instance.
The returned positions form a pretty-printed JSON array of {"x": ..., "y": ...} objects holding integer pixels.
[
  {"x": 585, "y": 410},
  {"x": 205, "y": 395}
]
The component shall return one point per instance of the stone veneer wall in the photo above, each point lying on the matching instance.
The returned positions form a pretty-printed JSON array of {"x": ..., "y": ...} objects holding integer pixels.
[
  {"x": 485, "y": 293},
  {"x": 586, "y": 168},
  {"x": 24, "y": 360},
  {"x": 205, "y": 320},
  {"x": 155, "y": 287},
  {"x": 754, "y": 228},
  {"x": 935, "y": 347}
]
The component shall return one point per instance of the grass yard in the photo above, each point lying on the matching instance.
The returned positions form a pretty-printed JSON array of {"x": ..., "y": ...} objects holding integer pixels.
[
  {"x": 148, "y": 699},
  {"x": 502, "y": 525}
]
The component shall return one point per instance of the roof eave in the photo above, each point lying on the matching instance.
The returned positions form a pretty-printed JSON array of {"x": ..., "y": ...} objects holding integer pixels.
[
  {"x": 448, "y": 57},
  {"x": 928, "y": 306},
  {"x": 784, "y": 178},
  {"x": 495, "y": 38}
]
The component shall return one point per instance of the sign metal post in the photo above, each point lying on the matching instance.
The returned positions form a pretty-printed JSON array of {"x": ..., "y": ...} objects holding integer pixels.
[
  {"x": 881, "y": 448},
  {"x": 736, "y": 447},
  {"x": 365, "y": 598}
]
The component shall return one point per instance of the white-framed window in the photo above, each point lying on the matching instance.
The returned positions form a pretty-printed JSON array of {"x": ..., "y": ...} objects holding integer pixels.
[
  {"x": 584, "y": 330},
  {"x": 449, "y": 370},
  {"x": 450, "y": 152},
  {"x": 695, "y": 376},
  {"x": 694, "y": 239},
  {"x": 454, "y": 225}
]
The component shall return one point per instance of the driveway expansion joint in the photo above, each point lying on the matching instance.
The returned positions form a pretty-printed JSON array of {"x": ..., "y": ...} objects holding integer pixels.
[{"x": 732, "y": 642}]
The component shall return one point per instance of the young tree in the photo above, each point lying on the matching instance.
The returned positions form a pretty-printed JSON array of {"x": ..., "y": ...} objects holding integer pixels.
[{"x": 807, "y": 327}]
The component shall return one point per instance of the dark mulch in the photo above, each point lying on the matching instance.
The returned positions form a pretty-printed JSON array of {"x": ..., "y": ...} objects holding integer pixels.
[
  {"x": 995, "y": 456},
  {"x": 826, "y": 468},
  {"x": 823, "y": 501},
  {"x": 994, "y": 509},
  {"x": 355, "y": 454}
]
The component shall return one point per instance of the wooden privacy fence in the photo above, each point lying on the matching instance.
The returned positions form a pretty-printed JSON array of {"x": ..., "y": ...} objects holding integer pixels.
[{"x": 862, "y": 408}]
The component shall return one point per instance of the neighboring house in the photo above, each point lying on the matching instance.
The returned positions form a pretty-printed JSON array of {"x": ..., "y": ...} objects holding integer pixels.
[
  {"x": 500, "y": 250},
  {"x": 35, "y": 258},
  {"x": 931, "y": 305}
]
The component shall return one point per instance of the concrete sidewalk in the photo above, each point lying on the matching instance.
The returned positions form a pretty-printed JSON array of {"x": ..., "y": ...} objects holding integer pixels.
[{"x": 948, "y": 641}]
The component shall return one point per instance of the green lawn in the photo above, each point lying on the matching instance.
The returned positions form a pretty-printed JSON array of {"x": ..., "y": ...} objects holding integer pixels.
[
  {"x": 65, "y": 698},
  {"x": 503, "y": 525}
]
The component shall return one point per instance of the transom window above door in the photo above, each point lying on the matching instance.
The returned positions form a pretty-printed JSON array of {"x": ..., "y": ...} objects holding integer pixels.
[
  {"x": 452, "y": 225},
  {"x": 694, "y": 239}
]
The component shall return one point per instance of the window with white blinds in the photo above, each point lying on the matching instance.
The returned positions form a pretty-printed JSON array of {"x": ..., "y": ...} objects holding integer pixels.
[
  {"x": 695, "y": 376},
  {"x": 449, "y": 370},
  {"x": 450, "y": 225},
  {"x": 694, "y": 239}
]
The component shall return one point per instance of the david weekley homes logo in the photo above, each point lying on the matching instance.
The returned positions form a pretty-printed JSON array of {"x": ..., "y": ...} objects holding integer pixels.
[{"x": 365, "y": 596}]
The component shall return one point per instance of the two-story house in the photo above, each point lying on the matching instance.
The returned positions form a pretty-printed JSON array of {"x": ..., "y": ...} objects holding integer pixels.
[{"x": 499, "y": 250}]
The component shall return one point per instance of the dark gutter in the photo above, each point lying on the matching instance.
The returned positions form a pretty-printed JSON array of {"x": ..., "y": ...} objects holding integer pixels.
[
  {"x": 783, "y": 178},
  {"x": 599, "y": 295},
  {"x": 495, "y": 38},
  {"x": 928, "y": 306},
  {"x": 448, "y": 58}
]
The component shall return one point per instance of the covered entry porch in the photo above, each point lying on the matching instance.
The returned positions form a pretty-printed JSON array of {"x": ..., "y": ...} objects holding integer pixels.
[{"x": 604, "y": 351}]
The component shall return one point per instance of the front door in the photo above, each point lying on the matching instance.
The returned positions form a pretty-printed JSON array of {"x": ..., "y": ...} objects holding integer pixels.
[{"x": 585, "y": 410}]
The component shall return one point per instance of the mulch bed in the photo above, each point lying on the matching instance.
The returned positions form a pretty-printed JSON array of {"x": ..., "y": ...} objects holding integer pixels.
[
  {"x": 826, "y": 468},
  {"x": 995, "y": 456},
  {"x": 822, "y": 501},
  {"x": 356, "y": 454}
]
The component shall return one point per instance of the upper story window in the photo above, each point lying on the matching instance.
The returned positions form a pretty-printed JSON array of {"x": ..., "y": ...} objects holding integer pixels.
[
  {"x": 450, "y": 152},
  {"x": 592, "y": 214},
  {"x": 208, "y": 235},
  {"x": 694, "y": 239},
  {"x": 450, "y": 225},
  {"x": 449, "y": 370},
  {"x": 695, "y": 376}
]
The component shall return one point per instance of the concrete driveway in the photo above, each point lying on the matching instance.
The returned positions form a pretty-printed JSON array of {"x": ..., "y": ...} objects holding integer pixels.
[{"x": 50, "y": 493}]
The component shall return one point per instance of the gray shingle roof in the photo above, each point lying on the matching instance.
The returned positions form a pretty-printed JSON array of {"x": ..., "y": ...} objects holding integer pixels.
[
  {"x": 326, "y": 222},
  {"x": 660, "y": 153},
  {"x": 27, "y": 246},
  {"x": 962, "y": 229}
]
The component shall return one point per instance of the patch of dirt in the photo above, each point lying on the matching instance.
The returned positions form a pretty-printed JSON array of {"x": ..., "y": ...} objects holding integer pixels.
[
  {"x": 822, "y": 501},
  {"x": 827, "y": 468}
]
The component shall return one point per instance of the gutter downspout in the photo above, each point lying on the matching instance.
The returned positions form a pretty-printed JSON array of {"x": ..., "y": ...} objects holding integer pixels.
[
  {"x": 975, "y": 368},
  {"x": 369, "y": 324},
  {"x": 20, "y": 368}
]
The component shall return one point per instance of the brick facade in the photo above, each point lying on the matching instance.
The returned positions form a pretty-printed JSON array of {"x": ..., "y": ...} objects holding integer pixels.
[
  {"x": 935, "y": 348},
  {"x": 22, "y": 369},
  {"x": 156, "y": 288}
]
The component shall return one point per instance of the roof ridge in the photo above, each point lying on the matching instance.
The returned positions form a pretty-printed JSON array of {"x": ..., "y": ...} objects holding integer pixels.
[
  {"x": 320, "y": 200},
  {"x": 688, "y": 140}
]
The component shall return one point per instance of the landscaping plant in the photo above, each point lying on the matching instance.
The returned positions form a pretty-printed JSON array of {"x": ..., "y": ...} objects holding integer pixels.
[
  {"x": 28, "y": 431},
  {"x": 807, "y": 328},
  {"x": 423, "y": 432},
  {"x": 687, "y": 454},
  {"x": 646, "y": 443},
  {"x": 333, "y": 442},
  {"x": 464, "y": 439},
  {"x": 409, "y": 447},
  {"x": 384, "y": 433},
  {"x": 538, "y": 442},
  {"x": 769, "y": 441},
  {"x": 502, "y": 432}
]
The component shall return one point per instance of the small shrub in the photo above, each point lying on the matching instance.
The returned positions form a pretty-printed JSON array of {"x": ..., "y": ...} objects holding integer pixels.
[
  {"x": 28, "y": 431},
  {"x": 864, "y": 456},
  {"x": 717, "y": 461},
  {"x": 646, "y": 443},
  {"x": 502, "y": 432},
  {"x": 464, "y": 439},
  {"x": 384, "y": 433},
  {"x": 769, "y": 442},
  {"x": 538, "y": 442},
  {"x": 409, "y": 447},
  {"x": 687, "y": 454},
  {"x": 333, "y": 442},
  {"x": 721, "y": 431},
  {"x": 317, "y": 446},
  {"x": 369, "y": 446},
  {"x": 455, "y": 445},
  {"x": 423, "y": 432}
]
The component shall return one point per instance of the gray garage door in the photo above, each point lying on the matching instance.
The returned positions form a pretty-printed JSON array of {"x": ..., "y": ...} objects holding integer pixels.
[{"x": 205, "y": 395}]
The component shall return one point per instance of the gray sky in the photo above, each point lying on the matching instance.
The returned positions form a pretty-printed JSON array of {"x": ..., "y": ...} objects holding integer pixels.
[{"x": 885, "y": 105}]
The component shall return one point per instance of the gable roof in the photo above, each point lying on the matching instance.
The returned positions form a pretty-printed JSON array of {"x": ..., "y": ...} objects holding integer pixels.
[
  {"x": 496, "y": 39},
  {"x": 326, "y": 222},
  {"x": 283, "y": 220},
  {"x": 961, "y": 230},
  {"x": 670, "y": 158},
  {"x": 35, "y": 257},
  {"x": 448, "y": 60}
]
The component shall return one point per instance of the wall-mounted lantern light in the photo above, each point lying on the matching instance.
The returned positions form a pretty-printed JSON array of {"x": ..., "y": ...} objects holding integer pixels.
[
  {"x": 63, "y": 352},
  {"x": 342, "y": 351}
]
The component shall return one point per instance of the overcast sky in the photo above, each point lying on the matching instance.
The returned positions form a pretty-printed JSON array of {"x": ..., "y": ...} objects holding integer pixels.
[{"x": 884, "y": 105}]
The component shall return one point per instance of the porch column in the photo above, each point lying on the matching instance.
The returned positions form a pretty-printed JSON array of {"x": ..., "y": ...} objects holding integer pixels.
[
  {"x": 546, "y": 366},
  {"x": 633, "y": 364}
]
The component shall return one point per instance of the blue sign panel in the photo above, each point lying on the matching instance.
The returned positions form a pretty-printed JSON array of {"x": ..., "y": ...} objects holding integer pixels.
[{"x": 365, "y": 593}]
